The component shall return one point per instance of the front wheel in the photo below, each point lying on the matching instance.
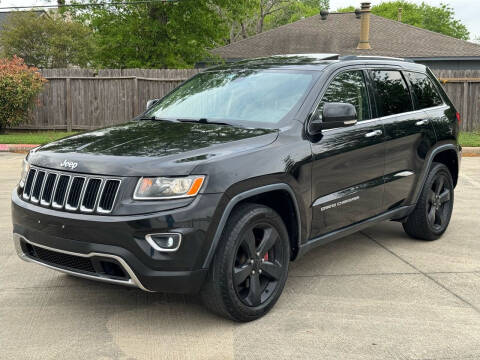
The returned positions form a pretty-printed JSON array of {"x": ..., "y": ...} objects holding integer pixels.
[
  {"x": 434, "y": 208},
  {"x": 250, "y": 267}
]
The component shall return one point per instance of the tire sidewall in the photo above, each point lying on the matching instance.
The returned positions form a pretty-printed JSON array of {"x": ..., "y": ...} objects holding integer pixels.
[
  {"x": 225, "y": 258},
  {"x": 437, "y": 170}
]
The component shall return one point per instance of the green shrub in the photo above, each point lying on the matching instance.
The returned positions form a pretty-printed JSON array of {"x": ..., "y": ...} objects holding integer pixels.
[{"x": 19, "y": 87}]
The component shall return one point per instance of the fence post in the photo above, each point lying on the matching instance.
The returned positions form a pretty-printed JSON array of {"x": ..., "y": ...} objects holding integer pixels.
[
  {"x": 466, "y": 121},
  {"x": 68, "y": 101},
  {"x": 135, "y": 95}
]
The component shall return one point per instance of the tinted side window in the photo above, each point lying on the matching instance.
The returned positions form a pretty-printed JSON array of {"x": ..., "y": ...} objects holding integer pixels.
[
  {"x": 347, "y": 87},
  {"x": 393, "y": 96},
  {"x": 426, "y": 95}
]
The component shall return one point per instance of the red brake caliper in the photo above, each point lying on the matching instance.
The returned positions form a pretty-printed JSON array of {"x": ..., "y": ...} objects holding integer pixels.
[{"x": 266, "y": 257}]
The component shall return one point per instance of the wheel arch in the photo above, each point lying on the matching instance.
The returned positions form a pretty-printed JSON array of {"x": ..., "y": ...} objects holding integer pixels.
[
  {"x": 272, "y": 196},
  {"x": 446, "y": 154},
  {"x": 449, "y": 158}
]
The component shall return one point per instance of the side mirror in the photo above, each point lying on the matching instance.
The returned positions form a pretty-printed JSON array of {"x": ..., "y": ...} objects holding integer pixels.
[
  {"x": 334, "y": 115},
  {"x": 150, "y": 103}
]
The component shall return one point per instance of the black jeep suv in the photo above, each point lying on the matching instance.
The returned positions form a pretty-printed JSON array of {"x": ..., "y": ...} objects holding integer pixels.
[{"x": 240, "y": 170}]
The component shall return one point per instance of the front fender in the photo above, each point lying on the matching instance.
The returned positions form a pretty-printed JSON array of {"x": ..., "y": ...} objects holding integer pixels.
[{"x": 245, "y": 195}]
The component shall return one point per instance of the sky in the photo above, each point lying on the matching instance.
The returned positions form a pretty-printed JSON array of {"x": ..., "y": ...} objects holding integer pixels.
[{"x": 467, "y": 11}]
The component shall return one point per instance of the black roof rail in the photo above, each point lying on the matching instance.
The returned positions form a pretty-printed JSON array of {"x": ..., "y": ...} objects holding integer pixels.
[
  {"x": 318, "y": 56},
  {"x": 372, "y": 57}
]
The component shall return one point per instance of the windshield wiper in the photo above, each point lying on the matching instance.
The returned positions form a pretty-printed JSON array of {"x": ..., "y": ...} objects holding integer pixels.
[
  {"x": 155, "y": 118},
  {"x": 206, "y": 121}
]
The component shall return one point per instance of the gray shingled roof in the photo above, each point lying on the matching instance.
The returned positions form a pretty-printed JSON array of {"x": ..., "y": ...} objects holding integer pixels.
[{"x": 339, "y": 34}]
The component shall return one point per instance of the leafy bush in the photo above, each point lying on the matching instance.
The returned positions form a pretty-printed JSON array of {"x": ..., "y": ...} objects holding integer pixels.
[{"x": 19, "y": 87}]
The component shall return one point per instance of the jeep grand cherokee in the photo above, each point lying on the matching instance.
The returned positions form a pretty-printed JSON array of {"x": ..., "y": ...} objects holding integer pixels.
[{"x": 240, "y": 170}]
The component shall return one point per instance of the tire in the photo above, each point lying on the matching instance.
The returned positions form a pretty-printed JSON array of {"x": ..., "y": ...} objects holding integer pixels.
[
  {"x": 433, "y": 211},
  {"x": 250, "y": 267}
]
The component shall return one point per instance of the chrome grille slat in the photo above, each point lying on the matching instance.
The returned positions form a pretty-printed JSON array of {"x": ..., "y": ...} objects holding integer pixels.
[
  {"x": 37, "y": 187},
  {"x": 90, "y": 201},
  {"x": 49, "y": 189},
  {"x": 61, "y": 191},
  {"x": 75, "y": 193},
  {"x": 72, "y": 192},
  {"x": 108, "y": 197},
  {"x": 27, "y": 190}
]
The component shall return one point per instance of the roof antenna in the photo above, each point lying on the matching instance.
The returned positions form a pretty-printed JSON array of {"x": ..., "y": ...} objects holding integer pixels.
[{"x": 324, "y": 14}]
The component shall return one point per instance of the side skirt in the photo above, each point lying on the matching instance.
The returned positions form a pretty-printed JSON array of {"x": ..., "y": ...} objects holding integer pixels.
[{"x": 394, "y": 214}]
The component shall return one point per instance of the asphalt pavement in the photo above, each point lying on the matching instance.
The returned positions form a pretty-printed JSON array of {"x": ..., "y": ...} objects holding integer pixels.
[{"x": 376, "y": 294}]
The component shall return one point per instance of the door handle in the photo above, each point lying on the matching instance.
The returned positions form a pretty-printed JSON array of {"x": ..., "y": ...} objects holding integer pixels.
[
  {"x": 421, "y": 122},
  {"x": 373, "y": 133}
]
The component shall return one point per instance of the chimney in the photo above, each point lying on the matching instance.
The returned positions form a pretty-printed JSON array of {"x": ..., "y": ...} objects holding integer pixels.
[
  {"x": 399, "y": 14},
  {"x": 364, "y": 43}
]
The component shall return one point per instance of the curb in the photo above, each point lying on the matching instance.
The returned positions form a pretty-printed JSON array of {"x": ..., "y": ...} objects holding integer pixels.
[
  {"x": 17, "y": 148},
  {"x": 470, "y": 151}
]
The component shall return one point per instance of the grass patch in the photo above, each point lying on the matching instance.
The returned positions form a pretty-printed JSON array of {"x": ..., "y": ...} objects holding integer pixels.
[
  {"x": 41, "y": 137},
  {"x": 470, "y": 139}
]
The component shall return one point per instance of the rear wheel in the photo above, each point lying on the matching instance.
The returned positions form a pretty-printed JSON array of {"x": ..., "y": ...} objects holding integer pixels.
[
  {"x": 250, "y": 267},
  {"x": 432, "y": 214}
]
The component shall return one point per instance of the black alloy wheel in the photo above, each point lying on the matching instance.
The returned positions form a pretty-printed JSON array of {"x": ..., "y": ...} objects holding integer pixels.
[
  {"x": 250, "y": 266},
  {"x": 258, "y": 264},
  {"x": 433, "y": 211},
  {"x": 439, "y": 205}
]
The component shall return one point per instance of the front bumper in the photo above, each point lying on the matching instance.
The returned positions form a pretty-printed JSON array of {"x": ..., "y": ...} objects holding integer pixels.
[{"x": 94, "y": 244}]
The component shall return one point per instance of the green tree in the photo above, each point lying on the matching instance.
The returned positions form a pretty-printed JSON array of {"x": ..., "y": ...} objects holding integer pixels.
[
  {"x": 156, "y": 35},
  {"x": 294, "y": 11},
  {"x": 440, "y": 19},
  {"x": 261, "y": 15},
  {"x": 346, "y": 9},
  {"x": 240, "y": 19},
  {"x": 46, "y": 41}
]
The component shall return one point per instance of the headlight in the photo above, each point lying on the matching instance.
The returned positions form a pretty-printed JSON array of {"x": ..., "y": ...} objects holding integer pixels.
[
  {"x": 158, "y": 188},
  {"x": 25, "y": 168}
]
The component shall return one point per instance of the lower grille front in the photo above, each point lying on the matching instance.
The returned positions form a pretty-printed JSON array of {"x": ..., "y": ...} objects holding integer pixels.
[
  {"x": 95, "y": 266},
  {"x": 70, "y": 262}
]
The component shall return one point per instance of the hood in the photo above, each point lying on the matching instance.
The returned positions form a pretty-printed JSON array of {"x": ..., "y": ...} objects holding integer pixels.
[{"x": 148, "y": 148}]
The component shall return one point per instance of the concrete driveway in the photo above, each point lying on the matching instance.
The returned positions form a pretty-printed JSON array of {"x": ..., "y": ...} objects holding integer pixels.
[{"x": 373, "y": 295}]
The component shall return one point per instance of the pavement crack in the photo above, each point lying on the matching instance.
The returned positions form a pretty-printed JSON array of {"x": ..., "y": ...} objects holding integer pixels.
[{"x": 423, "y": 273}]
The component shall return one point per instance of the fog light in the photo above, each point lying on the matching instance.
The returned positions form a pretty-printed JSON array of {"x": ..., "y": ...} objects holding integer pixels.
[{"x": 164, "y": 242}]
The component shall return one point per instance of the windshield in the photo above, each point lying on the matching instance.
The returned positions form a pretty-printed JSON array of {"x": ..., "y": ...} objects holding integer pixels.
[{"x": 241, "y": 97}]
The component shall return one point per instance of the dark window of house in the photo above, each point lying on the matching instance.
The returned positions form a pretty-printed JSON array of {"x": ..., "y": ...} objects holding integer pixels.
[
  {"x": 393, "y": 96},
  {"x": 426, "y": 95},
  {"x": 347, "y": 87}
]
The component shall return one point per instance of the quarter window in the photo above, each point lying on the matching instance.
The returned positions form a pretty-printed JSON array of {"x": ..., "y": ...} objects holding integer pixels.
[
  {"x": 393, "y": 96},
  {"x": 347, "y": 87},
  {"x": 426, "y": 95}
]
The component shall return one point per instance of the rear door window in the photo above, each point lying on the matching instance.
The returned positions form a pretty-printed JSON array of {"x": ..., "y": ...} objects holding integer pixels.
[
  {"x": 425, "y": 93},
  {"x": 392, "y": 94}
]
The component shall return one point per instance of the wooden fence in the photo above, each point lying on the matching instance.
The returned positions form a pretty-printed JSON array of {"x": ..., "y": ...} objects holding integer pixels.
[
  {"x": 463, "y": 88},
  {"x": 80, "y": 99}
]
